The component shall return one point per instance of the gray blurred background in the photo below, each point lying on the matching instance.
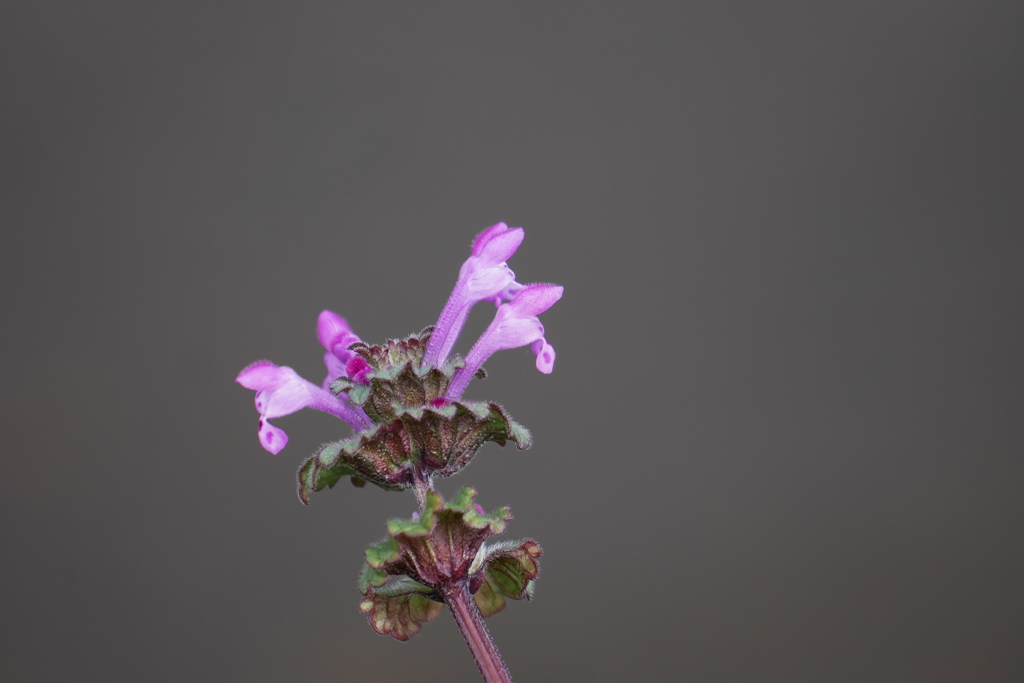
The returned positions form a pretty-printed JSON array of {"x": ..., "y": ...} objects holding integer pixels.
[{"x": 784, "y": 438}]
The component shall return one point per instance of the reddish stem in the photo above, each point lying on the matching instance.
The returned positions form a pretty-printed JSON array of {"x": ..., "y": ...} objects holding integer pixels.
[{"x": 478, "y": 638}]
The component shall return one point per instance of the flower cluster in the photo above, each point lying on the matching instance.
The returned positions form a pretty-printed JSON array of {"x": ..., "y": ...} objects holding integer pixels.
[{"x": 404, "y": 399}]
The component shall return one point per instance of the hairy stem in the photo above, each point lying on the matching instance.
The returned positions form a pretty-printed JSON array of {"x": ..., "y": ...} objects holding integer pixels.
[
  {"x": 478, "y": 638},
  {"x": 420, "y": 484}
]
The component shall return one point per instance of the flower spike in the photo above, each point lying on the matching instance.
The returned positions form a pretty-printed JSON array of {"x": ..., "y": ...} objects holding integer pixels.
[
  {"x": 281, "y": 391},
  {"x": 515, "y": 324},
  {"x": 403, "y": 398},
  {"x": 483, "y": 277}
]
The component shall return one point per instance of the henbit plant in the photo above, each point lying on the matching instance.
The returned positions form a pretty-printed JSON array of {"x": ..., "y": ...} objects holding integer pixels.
[{"x": 404, "y": 400}]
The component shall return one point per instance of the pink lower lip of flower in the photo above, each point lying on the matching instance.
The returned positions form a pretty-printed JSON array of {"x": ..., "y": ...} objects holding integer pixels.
[
  {"x": 273, "y": 439},
  {"x": 545, "y": 355}
]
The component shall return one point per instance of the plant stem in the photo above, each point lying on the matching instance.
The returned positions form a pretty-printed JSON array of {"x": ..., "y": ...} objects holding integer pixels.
[
  {"x": 421, "y": 484},
  {"x": 478, "y": 638}
]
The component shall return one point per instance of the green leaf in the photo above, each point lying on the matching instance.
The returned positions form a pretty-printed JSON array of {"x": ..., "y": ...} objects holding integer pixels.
[
  {"x": 370, "y": 578},
  {"x": 510, "y": 569},
  {"x": 403, "y": 585},
  {"x": 381, "y": 553},
  {"x": 378, "y": 457},
  {"x": 520, "y": 434},
  {"x": 341, "y": 384},
  {"x": 424, "y": 524},
  {"x": 481, "y": 411},
  {"x": 399, "y": 616},
  {"x": 359, "y": 393},
  {"x": 462, "y": 501}
]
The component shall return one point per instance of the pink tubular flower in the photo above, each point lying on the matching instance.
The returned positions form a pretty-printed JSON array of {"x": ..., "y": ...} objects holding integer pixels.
[
  {"x": 281, "y": 391},
  {"x": 335, "y": 335},
  {"x": 484, "y": 277},
  {"x": 515, "y": 324}
]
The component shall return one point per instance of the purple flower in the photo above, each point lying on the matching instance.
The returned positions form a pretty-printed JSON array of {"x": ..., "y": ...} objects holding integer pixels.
[
  {"x": 280, "y": 391},
  {"x": 515, "y": 324},
  {"x": 483, "y": 277},
  {"x": 335, "y": 335}
]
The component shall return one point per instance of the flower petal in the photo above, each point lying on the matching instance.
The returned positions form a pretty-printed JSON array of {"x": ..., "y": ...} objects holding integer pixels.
[
  {"x": 510, "y": 331},
  {"x": 272, "y": 438},
  {"x": 281, "y": 391},
  {"x": 357, "y": 369},
  {"x": 545, "y": 356},
  {"x": 535, "y": 298},
  {"x": 509, "y": 293},
  {"x": 497, "y": 243},
  {"x": 515, "y": 324},
  {"x": 261, "y": 375},
  {"x": 484, "y": 276},
  {"x": 331, "y": 328},
  {"x": 291, "y": 395},
  {"x": 487, "y": 282},
  {"x": 335, "y": 369}
]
